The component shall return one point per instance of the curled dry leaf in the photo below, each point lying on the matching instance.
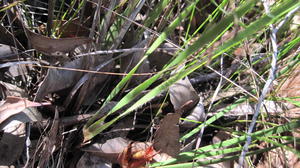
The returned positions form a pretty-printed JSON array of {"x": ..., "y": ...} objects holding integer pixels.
[
  {"x": 57, "y": 79},
  {"x": 54, "y": 47},
  {"x": 14, "y": 105},
  {"x": 12, "y": 140},
  {"x": 197, "y": 114},
  {"x": 181, "y": 92},
  {"x": 110, "y": 150}
]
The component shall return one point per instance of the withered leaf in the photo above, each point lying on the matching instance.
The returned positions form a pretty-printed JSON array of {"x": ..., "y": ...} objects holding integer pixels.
[
  {"x": 54, "y": 47},
  {"x": 181, "y": 92},
  {"x": 166, "y": 138},
  {"x": 14, "y": 105},
  {"x": 110, "y": 150},
  {"x": 169, "y": 143}
]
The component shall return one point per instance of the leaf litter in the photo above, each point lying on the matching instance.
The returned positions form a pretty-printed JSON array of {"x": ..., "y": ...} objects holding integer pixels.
[{"x": 65, "y": 99}]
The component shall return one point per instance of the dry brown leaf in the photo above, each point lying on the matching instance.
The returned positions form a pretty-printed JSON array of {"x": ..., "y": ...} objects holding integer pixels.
[
  {"x": 71, "y": 28},
  {"x": 54, "y": 47},
  {"x": 168, "y": 144},
  {"x": 110, "y": 150},
  {"x": 181, "y": 92},
  {"x": 14, "y": 105},
  {"x": 13, "y": 137},
  {"x": 158, "y": 59},
  {"x": 57, "y": 79}
]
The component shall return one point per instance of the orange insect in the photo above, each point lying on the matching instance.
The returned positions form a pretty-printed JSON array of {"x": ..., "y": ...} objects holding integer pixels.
[{"x": 136, "y": 159}]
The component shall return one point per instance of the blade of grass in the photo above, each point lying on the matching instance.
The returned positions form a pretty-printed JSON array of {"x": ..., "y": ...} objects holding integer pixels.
[
  {"x": 213, "y": 161},
  {"x": 8, "y": 6},
  {"x": 210, "y": 35},
  {"x": 130, "y": 96},
  {"x": 275, "y": 143},
  {"x": 186, "y": 156},
  {"x": 212, "y": 119},
  {"x": 259, "y": 24}
]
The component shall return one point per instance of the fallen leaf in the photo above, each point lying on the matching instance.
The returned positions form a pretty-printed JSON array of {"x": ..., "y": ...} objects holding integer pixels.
[
  {"x": 12, "y": 140},
  {"x": 54, "y": 47},
  {"x": 197, "y": 114},
  {"x": 110, "y": 150},
  {"x": 71, "y": 28},
  {"x": 9, "y": 54},
  {"x": 181, "y": 92},
  {"x": 14, "y": 105},
  {"x": 168, "y": 144},
  {"x": 158, "y": 59},
  {"x": 123, "y": 151},
  {"x": 59, "y": 79}
]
